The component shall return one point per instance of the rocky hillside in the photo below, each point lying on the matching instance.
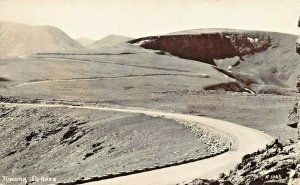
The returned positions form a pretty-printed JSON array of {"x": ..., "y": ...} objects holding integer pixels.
[
  {"x": 298, "y": 45},
  {"x": 265, "y": 62},
  {"x": 275, "y": 165},
  {"x": 19, "y": 39}
]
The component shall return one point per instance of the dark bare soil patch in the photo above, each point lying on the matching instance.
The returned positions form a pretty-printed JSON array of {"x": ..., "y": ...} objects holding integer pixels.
[{"x": 2, "y": 79}]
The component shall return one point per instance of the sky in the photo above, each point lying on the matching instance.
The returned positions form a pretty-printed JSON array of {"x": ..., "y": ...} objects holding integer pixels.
[{"x": 136, "y": 18}]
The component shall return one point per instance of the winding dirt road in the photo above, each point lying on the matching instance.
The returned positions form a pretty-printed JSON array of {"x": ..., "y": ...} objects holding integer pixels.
[
  {"x": 246, "y": 140},
  {"x": 197, "y": 75}
]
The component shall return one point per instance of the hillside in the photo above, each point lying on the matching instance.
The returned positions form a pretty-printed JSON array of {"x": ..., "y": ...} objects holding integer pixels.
[
  {"x": 19, "y": 39},
  {"x": 265, "y": 62},
  {"x": 109, "y": 40},
  {"x": 275, "y": 165},
  {"x": 85, "y": 41}
]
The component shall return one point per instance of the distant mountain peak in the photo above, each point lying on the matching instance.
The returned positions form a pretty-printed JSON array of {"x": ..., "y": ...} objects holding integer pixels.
[
  {"x": 109, "y": 40},
  {"x": 19, "y": 39}
]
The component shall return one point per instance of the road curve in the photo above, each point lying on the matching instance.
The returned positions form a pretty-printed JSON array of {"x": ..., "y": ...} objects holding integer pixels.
[
  {"x": 247, "y": 140},
  {"x": 196, "y": 75}
]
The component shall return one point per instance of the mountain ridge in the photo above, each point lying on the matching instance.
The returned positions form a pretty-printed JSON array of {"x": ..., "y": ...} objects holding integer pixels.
[
  {"x": 109, "y": 40},
  {"x": 21, "y": 39}
]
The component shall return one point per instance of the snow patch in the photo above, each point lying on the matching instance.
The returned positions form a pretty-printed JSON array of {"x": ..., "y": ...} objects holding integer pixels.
[
  {"x": 61, "y": 45},
  {"x": 225, "y": 75},
  {"x": 251, "y": 40},
  {"x": 249, "y": 91},
  {"x": 141, "y": 42}
]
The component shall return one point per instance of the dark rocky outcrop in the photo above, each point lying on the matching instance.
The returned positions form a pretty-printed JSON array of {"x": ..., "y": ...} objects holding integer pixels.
[
  {"x": 208, "y": 46},
  {"x": 293, "y": 117},
  {"x": 275, "y": 165},
  {"x": 298, "y": 40},
  {"x": 298, "y": 46},
  {"x": 231, "y": 86}
]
